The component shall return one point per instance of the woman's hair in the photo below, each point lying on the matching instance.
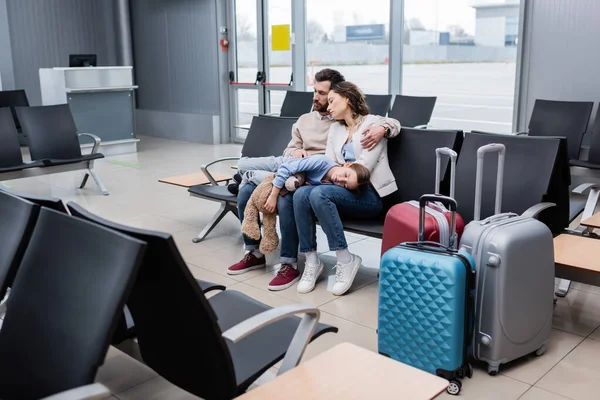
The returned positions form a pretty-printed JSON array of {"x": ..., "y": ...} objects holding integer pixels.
[
  {"x": 363, "y": 175},
  {"x": 356, "y": 98}
]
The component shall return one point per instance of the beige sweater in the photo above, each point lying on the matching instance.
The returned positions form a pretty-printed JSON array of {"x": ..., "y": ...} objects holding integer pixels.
[{"x": 311, "y": 130}]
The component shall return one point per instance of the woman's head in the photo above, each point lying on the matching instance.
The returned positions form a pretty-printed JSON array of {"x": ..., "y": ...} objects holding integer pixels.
[
  {"x": 351, "y": 177},
  {"x": 345, "y": 97}
]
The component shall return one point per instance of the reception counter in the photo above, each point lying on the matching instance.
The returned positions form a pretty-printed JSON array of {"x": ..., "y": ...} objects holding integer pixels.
[{"x": 102, "y": 102}]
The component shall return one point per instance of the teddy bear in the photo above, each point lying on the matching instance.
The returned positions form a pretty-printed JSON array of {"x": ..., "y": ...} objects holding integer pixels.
[{"x": 255, "y": 205}]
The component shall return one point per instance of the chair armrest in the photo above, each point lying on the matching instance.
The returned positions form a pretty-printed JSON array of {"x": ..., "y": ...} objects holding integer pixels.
[
  {"x": 301, "y": 338},
  {"x": 522, "y": 134},
  {"x": 535, "y": 210},
  {"x": 273, "y": 114},
  {"x": 94, "y": 391},
  {"x": 425, "y": 126},
  {"x": 581, "y": 189},
  {"x": 204, "y": 168},
  {"x": 96, "y": 140}
]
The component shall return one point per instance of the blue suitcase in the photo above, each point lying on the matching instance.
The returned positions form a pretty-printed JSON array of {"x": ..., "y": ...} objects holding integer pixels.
[{"x": 426, "y": 304}]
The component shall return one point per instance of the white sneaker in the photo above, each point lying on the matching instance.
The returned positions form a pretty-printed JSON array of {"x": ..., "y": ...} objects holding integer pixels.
[
  {"x": 309, "y": 277},
  {"x": 345, "y": 274}
]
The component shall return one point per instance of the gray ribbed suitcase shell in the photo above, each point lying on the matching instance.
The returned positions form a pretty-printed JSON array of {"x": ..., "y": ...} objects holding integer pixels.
[{"x": 514, "y": 291}]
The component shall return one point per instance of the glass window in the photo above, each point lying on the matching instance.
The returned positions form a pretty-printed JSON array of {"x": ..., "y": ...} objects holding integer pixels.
[
  {"x": 463, "y": 52},
  {"x": 351, "y": 37}
]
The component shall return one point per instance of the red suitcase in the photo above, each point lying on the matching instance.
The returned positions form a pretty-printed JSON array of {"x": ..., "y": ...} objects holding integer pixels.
[{"x": 402, "y": 220}]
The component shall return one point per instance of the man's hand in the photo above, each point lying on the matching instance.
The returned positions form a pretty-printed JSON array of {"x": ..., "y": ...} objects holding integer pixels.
[
  {"x": 271, "y": 203},
  {"x": 372, "y": 136},
  {"x": 299, "y": 153}
]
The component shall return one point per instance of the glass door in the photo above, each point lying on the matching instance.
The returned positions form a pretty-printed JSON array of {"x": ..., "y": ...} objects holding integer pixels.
[{"x": 261, "y": 67}]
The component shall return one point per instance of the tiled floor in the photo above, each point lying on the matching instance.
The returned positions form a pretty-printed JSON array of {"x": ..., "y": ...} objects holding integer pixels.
[{"x": 568, "y": 370}]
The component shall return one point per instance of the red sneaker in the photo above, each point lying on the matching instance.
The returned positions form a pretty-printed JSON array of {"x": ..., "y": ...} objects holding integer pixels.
[
  {"x": 249, "y": 263},
  {"x": 286, "y": 277}
]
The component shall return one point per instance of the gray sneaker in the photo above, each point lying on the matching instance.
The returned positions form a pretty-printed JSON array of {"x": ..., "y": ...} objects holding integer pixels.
[{"x": 345, "y": 274}]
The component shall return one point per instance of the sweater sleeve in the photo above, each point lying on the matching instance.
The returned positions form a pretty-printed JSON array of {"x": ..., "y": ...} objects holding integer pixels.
[
  {"x": 290, "y": 168},
  {"x": 296, "y": 142}
]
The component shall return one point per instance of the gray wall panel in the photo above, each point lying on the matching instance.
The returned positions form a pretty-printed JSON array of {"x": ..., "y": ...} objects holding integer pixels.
[
  {"x": 175, "y": 54},
  {"x": 6, "y": 62},
  {"x": 561, "y": 53},
  {"x": 44, "y": 33},
  {"x": 175, "y": 49}
]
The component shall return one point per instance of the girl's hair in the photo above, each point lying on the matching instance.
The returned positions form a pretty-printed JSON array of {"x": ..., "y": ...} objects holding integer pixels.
[
  {"x": 356, "y": 98},
  {"x": 363, "y": 175}
]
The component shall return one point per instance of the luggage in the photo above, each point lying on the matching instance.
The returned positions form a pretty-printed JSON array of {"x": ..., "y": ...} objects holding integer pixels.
[
  {"x": 402, "y": 220},
  {"x": 514, "y": 256},
  {"x": 425, "y": 304}
]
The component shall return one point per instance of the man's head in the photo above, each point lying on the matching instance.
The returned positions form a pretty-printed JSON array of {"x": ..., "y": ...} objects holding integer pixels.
[
  {"x": 323, "y": 81},
  {"x": 351, "y": 177}
]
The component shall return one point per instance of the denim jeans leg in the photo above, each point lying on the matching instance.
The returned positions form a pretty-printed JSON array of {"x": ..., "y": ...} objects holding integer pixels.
[
  {"x": 305, "y": 219},
  {"x": 329, "y": 202},
  {"x": 255, "y": 169},
  {"x": 243, "y": 196},
  {"x": 287, "y": 225}
]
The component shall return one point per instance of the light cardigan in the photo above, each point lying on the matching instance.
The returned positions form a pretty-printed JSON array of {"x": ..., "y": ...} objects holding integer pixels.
[{"x": 375, "y": 160}]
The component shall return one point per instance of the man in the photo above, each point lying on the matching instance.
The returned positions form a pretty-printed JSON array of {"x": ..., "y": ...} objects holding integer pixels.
[{"x": 309, "y": 136}]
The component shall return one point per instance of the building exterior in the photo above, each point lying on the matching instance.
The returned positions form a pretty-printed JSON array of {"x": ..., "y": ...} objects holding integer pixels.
[{"x": 497, "y": 22}]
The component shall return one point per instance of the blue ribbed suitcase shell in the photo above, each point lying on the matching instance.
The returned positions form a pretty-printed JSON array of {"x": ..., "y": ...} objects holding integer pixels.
[{"x": 423, "y": 298}]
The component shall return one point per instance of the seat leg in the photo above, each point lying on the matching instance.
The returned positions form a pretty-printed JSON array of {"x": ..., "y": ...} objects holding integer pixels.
[
  {"x": 563, "y": 287},
  {"x": 98, "y": 182},
  {"x": 84, "y": 181},
  {"x": 223, "y": 210}
]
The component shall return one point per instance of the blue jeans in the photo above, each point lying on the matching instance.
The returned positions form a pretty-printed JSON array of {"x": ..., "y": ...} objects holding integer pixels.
[
  {"x": 255, "y": 169},
  {"x": 287, "y": 224},
  {"x": 328, "y": 203}
]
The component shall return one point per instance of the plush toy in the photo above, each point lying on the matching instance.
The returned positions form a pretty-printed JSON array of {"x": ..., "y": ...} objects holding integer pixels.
[
  {"x": 255, "y": 205},
  {"x": 250, "y": 225}
]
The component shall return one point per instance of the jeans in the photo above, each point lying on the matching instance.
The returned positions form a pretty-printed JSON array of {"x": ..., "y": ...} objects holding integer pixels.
[
  {"x": 255, "y": 169},
  {"x": 328, "y": 203},
  {"x": 287, "y": 224}
]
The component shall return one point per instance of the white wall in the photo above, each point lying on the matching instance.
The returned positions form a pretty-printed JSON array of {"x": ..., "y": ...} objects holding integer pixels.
[{"x": 490, "y": 31}]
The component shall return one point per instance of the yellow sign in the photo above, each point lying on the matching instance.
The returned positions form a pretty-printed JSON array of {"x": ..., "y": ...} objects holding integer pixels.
[{"x": 280, "y": 37}]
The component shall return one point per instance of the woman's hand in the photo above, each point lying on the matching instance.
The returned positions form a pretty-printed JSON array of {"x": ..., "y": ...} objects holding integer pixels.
[{"x": 271, "y": 203}]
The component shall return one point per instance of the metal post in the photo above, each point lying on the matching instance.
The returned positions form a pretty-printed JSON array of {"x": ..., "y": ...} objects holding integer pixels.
[
  {"x": 122, "y": 18},
  {"x": 396, "y": 46},
  {"x": 299, "y": 45}
]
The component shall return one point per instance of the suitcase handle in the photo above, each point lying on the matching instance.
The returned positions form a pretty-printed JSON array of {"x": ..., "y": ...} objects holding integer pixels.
[
  {"x": 449, "y": 202},
  {"x": 489, "y": 148},
  {"x": 433, "y": 246},
  {"x": 498, "y": 217},
  {"x": 438, "y": 168}
]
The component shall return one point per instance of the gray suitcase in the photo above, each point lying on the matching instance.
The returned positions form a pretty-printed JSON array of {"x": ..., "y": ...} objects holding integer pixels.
[{"x": 514, "y": 292}]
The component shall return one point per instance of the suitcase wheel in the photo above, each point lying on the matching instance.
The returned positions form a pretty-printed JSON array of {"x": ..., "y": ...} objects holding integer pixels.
[
  {"x": 454, "y": 387},
  {"x": 541, "y": 350},
  {"x": 493, "y": 371},
  {"x": 465, "y": 371},
  {"x": 469, "y": 371}
]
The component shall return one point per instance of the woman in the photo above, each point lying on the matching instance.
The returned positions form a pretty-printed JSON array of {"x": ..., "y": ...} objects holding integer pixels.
[{"x": 328, "y": 203}]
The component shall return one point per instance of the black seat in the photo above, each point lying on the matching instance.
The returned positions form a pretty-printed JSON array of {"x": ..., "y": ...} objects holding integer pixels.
[
  {"x": 63, "y": 306},
  {"x": 411, "y": 156},
  {"x": 18, "y": 220},
  {"x": 12, "y": 99},
  {"x": 268, "y": 136},
  {"x": 580, "y": 195},
  {"x": 182, "y": 335},
  {"x": 379, "y": 104},
  {"x": 561, "y": 118},
  {"x": 533, "y": 173},
  {"x": 53, "y": 139},
  {"x": 11, "y": 158},
  {"x": 412, "y": 111},
  {"x": 296, "y": 103}
]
